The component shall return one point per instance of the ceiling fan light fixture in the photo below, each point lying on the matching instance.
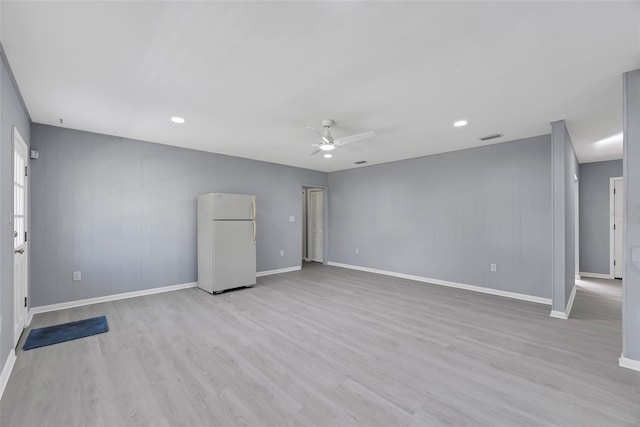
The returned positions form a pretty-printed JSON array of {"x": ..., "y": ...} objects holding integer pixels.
[
  {"x": 176, "y": 119},
  {"x": 460, "y": 123},
  {"x": 327, "y": 147},
  {"x": 328, "y": 155}
]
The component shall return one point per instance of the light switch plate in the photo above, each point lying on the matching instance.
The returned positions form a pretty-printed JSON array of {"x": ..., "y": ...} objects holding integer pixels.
[
  {"x": 292, "y": 218},
  {"x": 77, "y": 275}
]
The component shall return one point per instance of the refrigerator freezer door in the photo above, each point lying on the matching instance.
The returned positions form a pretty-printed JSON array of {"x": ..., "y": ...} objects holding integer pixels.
[
  {"x": 234, "y": 255},
  {"x": 233, "y": 206}
]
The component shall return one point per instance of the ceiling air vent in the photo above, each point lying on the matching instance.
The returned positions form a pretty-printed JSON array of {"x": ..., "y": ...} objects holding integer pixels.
[
  {"x": 494, "y": 136},
  {"x": 360, "y": 162}
]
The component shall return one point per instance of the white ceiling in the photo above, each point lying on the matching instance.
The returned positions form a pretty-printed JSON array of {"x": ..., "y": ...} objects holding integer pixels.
[{"x": 249, "y": 75}]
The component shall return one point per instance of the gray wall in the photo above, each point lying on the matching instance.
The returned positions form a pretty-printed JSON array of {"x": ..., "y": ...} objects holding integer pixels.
[
  {"x": 124, "y": 212},
  {"x": 594, "y": 218},
  {"x": 631, "y": 206},
  {"x": 11, "y": 113},
  {"x": 564, "y": 165},
  {"x": 449, "y": 216}
]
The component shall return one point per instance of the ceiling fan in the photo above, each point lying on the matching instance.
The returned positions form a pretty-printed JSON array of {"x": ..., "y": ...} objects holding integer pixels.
[{"x": 328, "y": 142}]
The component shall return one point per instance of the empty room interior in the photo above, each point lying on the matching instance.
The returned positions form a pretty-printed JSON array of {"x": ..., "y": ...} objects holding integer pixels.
[{"x": 271, "y": 213}]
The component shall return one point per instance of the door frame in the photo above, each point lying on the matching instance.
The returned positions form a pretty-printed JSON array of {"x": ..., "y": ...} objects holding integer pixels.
[
  {"x": 612, "y": 214},
  {"x": 325, "y": 219},
  {"x": 577, "y": 225},
  {"x": 17, "y": 139}
]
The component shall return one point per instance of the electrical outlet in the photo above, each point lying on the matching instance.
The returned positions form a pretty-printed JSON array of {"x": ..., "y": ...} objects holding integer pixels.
[
  {"x": 292, "y": 218},
  {"x": 357, "y": 251},
  {"x": 281, "y": 252},
  {"x": 493, "y": 267},
  {"x": 77, "y": 275}
]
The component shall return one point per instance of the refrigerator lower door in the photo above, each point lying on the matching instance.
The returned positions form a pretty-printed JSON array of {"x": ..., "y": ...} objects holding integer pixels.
[{"x": 234, "y": 255}]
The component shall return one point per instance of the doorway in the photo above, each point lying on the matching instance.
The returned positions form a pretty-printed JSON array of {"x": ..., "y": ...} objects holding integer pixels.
[
  {"x": 616, "y": 217},
  {"x": 313, "y": 224},
  {"x": 20, "y": 209}
]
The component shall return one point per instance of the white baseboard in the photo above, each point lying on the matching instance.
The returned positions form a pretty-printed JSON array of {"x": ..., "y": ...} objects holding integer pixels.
[
  {"x": 278, "y": 271},
  {"x": 514, "y": 295},
  {"x": 6, "y": 370},
  {"x": 572, "y": 298},
  {"x": 629, "y": 363},
  {"x": 567, "y": 310},
  {"x": 595, "y": 275},
  {"x": 107, "y": 298},
  {"x": 558, "y": 314}
]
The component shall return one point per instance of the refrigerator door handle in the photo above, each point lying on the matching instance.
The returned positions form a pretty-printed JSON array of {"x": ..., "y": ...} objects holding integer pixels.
[
  {"x": 253, "y": 203},
  {"x": 254, "y": 231}
]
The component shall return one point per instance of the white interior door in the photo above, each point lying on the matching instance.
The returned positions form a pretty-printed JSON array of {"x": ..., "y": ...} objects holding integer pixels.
[
  {"x": 315, "y": 225},
  {"x": 618, "y": 186},
  {"x": 19, "y": 235}
]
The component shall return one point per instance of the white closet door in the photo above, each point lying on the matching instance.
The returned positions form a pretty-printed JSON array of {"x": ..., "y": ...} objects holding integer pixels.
[{"x": 315, "y": 225}]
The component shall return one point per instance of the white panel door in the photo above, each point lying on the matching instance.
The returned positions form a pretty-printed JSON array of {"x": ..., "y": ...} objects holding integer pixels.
[
  {"x": 315, "y": 224},
  {"x": 20, "y": 157},
  {"x": 617, "y": 231},
  {"x": 234, "y": 254}
]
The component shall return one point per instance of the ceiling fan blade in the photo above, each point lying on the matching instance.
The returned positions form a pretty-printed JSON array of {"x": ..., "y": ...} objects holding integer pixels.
[
  {"x": 315, "y": 152},
  {"x": 354, "y": 138}
]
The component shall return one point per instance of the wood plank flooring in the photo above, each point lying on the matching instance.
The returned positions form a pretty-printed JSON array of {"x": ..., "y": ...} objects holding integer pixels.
[{"x": 328, "y": 346}]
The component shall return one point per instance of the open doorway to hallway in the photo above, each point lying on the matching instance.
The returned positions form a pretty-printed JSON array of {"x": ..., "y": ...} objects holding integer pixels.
[
  {"x": 616, "y": 218},
  {"x": 313, "y": 225}
]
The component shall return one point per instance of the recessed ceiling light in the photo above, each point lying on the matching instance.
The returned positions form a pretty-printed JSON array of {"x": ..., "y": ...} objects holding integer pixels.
[
  {"x": 460, "y": 123},
  {"x": 177, "y": 119},
  {"x": 328, "y": 155},
  {"x": 327, "y": 147}
]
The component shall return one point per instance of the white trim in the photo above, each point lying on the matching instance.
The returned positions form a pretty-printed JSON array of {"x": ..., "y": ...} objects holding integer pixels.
[
  {"x": 514, "y": 295},
  {"x": 629, "y": 363},
  {"x": 6, "y": 370},
  {"x": 595, "y": 275},
  {"x": 107, "y": 298},
  {"x": 612, "y": 209},
  {"x": 572, "y": 298},
  {"x": 278, "y": 271},
  {"x": 567, "y": 311},
  {"x": 558, "y": 314}
]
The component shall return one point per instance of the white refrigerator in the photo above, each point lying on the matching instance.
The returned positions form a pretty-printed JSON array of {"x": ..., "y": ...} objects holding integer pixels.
[{"x": 226, "y": 241}]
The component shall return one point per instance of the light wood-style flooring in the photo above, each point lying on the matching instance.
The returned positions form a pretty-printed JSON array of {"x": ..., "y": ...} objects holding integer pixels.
[{"x": 329, "y": 346}]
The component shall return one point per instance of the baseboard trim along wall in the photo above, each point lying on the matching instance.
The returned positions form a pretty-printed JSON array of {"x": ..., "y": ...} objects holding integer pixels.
[
  {"x": 278, "y": 271},
  {"x": 6, "y": 371},
  {"x": 507, "y": 294},
  {"x": 107, "y": 298},
  {"x": 595, "y": 275},
  {"x": 629, "y": 363},
  {"x": 115, "y": 297},
  {"x": 567, "y": 311},
  {"x": 558, "y": 314}
]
